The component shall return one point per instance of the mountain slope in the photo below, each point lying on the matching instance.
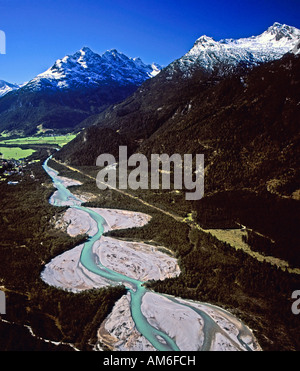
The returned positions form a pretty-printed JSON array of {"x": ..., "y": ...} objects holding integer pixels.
[
  {"x": 74, "y": 88},
  {"x": 247, "y": 126}
]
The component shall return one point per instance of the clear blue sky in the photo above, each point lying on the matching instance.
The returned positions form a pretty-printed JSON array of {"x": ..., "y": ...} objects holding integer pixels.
[{"x": 39, "y": 32}]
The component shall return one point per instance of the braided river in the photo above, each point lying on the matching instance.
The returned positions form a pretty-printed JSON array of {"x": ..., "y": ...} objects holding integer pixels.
[{"x": 217, "y": 328}]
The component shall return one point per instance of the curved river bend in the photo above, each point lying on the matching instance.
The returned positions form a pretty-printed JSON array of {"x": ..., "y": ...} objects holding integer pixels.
[{"x": 160, "y": 341}]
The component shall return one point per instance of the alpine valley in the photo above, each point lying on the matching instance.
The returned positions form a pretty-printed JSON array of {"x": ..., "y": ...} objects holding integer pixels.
[{"x": 144, "y": 269}]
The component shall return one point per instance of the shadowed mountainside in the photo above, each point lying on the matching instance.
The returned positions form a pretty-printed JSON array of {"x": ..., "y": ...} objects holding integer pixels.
[{"x": 246, "y": 125}]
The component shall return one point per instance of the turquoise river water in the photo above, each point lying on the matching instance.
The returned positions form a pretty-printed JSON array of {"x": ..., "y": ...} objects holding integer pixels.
[{"x": 160, "y": 340}]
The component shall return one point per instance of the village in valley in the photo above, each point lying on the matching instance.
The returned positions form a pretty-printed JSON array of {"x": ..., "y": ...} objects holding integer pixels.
[{"x": 13, "y": 171}]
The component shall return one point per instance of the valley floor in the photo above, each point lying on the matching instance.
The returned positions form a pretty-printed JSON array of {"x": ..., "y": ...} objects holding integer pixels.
[
  {"x": 195, "y": 326},
  {"x": 256, "y": 290},
  {"x": 210, "y": 271}
]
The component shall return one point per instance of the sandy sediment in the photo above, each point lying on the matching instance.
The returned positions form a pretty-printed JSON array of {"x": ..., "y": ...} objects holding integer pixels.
[
  {"x": 67, "y": 182},
  {"x": 79, "y": 222},
  {"x": 163, "y": 314},
  {"x": 223, "y": 330},
  {"x": 217, "y": 331},
  {"x": 118, "y": 332},
  {"x": 122, "y": 219},
  {"x": 133, "y": 259},
  {"x": 66, "y": 272}
]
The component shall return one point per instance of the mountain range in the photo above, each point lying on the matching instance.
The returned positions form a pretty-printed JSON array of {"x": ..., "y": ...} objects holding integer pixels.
[
  {"x": 246, "y": 125},
  {"x": 77, "y": 88},
  {"x": 86, "y": 69},
  {"x": 191, "y": 104},
  {"x": 74, "y": 88},
  {"x": 233, "y": 100},
  {"x": 224, "y": 56}
]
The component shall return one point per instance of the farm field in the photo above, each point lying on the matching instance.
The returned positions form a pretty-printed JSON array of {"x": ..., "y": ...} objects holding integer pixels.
[
  {"x": 15, "y": 153},
  {"x": 59, "y": 140}
]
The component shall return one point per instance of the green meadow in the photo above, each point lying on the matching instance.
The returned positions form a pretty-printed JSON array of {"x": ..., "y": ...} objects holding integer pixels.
[
  {"x": 15, "y": 148},
  {"x": 15, "y": 153},
  {"x": 59, "y": 140}
]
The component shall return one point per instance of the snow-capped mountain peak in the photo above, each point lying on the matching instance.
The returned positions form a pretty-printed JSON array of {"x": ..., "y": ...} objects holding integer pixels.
[
  {"x": 205, "y": 41},
  {"x": 280, "y": 31},
  {"x": 6, "y": 87},
  {"x": 278, "y": 36},
  {"x": 227, "y": 54},
  {"x": 88, "y": 69}
]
